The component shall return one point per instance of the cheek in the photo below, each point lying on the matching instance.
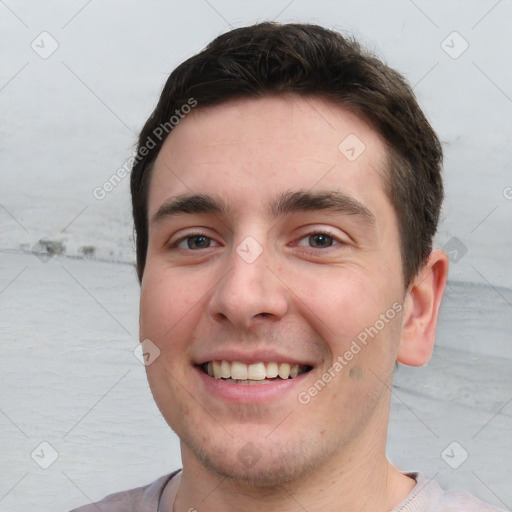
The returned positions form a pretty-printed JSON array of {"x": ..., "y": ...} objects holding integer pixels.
[
  {"x": 168, "y": 315},
  {"x": 170, "y": 310},
  {"x": 168, "y": 301},
  {"x": 340, "y": 303},
  {"x": 355, "y": 315}
]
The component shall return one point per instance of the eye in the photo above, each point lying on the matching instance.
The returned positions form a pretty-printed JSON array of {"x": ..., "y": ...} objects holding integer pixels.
[
  {"x": 195, "y": 242},
  {"x": 318, "y": 240}
]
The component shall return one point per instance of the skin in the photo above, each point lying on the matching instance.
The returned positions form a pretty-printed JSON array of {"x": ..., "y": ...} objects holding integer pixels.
[{"x": 305, "y": 295}]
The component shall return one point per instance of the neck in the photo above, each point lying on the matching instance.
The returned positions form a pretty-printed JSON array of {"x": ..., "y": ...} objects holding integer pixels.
[{"x": 370, "y": 484}]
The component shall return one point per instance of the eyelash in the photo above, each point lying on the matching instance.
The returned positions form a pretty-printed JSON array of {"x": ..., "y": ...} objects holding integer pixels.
[
  {"x": 335, "y": 239},
  {"x": 175, "y": 244}
]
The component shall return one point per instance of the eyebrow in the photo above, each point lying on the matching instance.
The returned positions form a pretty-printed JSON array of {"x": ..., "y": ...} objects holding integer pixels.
[
  {"x": 195, "y": 203},
  {"x": 289, "y": 202},
  {"x": 332, "y": 201}
]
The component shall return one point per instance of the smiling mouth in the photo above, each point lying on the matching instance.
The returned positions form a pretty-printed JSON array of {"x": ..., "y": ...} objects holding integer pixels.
[{"x": 237, "y": 372}]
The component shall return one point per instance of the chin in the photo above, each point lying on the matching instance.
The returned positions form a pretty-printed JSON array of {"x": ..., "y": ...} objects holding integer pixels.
[{"x": 267, "y": 466}]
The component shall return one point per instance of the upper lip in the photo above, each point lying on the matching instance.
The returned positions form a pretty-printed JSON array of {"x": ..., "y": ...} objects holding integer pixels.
[{"x": 251, "y": 357}]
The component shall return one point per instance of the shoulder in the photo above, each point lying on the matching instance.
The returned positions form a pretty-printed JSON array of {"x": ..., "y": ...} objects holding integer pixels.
[
  {"x": 140, "y": 499},
  {"x": 428, "y": 496}
]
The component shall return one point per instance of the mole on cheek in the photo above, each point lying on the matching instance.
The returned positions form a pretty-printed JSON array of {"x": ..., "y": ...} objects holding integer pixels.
[{"x": 355, "y": 373}]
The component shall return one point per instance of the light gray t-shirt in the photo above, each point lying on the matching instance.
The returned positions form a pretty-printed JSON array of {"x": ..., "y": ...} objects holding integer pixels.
[{"x": 426, "y": 496}]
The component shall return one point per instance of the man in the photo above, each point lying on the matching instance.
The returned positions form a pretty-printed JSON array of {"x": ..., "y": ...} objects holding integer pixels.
[{"x": 286, "y": 192}]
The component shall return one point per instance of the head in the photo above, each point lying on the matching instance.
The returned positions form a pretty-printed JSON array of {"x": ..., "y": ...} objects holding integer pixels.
[
  {"x": 270, "y": 58},
  {"x": 286, "y": 192}
]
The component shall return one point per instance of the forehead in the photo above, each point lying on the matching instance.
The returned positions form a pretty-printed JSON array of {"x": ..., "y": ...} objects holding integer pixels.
[{"x": 250, "y": 149}]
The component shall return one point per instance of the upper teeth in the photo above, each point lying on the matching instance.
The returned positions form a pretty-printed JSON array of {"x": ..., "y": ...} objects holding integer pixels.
[{"x": 257, "y": 371}]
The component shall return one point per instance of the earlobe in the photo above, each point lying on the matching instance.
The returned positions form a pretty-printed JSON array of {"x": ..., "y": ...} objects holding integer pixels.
[{"x": 421, "y": 310}]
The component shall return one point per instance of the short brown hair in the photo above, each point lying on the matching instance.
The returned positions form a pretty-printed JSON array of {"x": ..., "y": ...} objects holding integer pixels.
[{"x": 272, "y": 58}]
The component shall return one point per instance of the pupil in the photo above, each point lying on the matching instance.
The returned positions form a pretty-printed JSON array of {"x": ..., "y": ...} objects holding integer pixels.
[
  {"x": 320, "y": 240},
  {"x": 198, "y": 241}
]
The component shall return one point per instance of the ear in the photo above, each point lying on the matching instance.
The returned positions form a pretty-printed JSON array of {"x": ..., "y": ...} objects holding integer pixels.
[{"x": 421, "y": 309}]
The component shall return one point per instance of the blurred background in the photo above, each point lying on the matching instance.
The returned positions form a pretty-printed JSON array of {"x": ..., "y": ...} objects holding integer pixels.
[{"x": 78, "y": 79}]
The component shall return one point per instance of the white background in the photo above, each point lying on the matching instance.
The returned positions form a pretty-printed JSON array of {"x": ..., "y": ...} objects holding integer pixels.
[{"x": 70, "y": 120}]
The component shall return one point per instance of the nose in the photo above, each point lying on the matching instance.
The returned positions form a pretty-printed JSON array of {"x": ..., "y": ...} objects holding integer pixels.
[{"x": 250, "y": 290}]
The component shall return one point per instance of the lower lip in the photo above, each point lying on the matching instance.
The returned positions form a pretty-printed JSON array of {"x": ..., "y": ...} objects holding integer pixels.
[{"x": 254, "y": 393}]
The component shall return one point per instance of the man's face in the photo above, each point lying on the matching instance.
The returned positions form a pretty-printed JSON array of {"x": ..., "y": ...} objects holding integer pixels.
[{"x": 290, "y": 255}]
